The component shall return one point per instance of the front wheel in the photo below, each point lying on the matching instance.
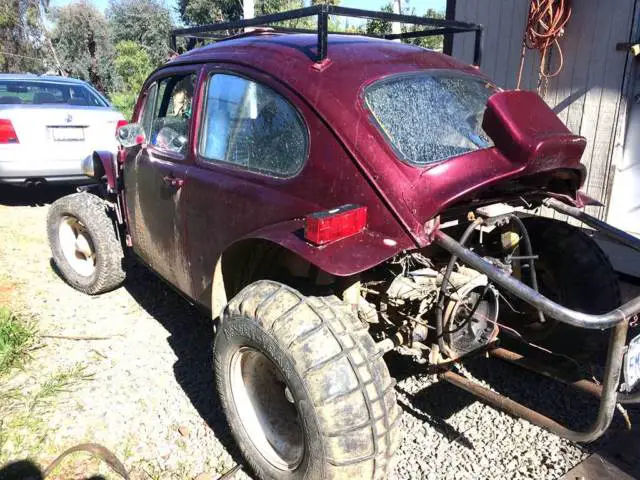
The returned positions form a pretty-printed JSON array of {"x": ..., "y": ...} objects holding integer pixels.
[
  {"x": 303, "y": 386},
  {"x": 84, "y": 244}
]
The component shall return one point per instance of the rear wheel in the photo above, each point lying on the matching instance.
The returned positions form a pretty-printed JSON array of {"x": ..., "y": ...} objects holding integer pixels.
[
  {"x": 573, "y": 271},
  {"x": 304, "y": 388},
  {"x": 84, "y": 244}
]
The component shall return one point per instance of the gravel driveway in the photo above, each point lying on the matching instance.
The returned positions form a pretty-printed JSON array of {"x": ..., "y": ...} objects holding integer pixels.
[{"x": 146, "y": 385}]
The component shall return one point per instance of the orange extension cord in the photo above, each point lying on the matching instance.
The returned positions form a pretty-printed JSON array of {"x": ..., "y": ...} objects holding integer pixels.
[{"x": 545, "y": 25}]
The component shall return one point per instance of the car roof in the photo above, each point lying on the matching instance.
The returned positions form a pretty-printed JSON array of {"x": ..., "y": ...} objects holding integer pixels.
[
  {"x": 43, "y": 78},
  {"x": 353, "y": 60}
]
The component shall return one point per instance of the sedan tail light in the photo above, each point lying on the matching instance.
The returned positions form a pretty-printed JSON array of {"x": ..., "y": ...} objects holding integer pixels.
[
  {"x": 7, "y": 132},
  {"x": 121, "y": 123}
]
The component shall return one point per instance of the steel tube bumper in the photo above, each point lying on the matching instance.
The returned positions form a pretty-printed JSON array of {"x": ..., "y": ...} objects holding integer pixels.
[
  {"x": 617, "y": 319},
  {"x": 529, "y": 295},
  {"x": 608, "y": 396}
]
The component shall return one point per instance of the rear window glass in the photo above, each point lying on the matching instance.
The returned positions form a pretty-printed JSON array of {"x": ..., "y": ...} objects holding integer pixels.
[
  {"x": 47, "y": 93},
  {"x": 430, "y": 117}
]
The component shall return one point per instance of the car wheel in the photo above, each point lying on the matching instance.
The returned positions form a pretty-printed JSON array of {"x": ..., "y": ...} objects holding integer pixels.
[
  {"x": 84, "y": 244},
  {"x": 303, "y": 386}
]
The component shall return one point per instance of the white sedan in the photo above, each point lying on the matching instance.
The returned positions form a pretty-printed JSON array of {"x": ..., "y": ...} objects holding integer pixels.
[{"x": 48, "y": 125}]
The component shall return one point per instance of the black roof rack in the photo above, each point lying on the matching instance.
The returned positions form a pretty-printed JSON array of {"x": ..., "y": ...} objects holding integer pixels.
[{"x": 322, "y": 12}]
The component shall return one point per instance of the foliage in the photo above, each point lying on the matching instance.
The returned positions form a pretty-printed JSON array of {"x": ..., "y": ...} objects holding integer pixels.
[
  {"x": 198, "y": 12},
  {"x": 145, "y": 22},
  {"x": 381, "y": 27},
  {"x": 16, "y": 339},
  {"x": 81, "y": 39},
  {"x": 22, "y": 36},
  {"x": 133, "y": 66}
]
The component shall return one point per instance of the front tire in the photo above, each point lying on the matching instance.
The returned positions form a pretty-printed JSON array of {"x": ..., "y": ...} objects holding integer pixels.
[
  {"x": 84, "y": 244},
  {"x": 303, "y": 386}
]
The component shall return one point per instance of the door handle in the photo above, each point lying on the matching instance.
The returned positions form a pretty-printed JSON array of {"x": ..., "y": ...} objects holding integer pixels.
[{"x": 173, "y": 182}]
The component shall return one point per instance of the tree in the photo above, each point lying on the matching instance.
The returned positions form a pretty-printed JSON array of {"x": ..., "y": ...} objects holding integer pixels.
[
  {"x": 81, "y": 38},
  {"x": 145, "y": 22},
  {"x": 133, "y": 66},
  {"x": 381, "y": 27},
  {"x": 22, "y": 36}
]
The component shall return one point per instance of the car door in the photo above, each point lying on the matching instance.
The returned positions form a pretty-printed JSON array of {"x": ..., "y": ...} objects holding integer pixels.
[
  {"x": 253, "y": 144},
  {"x": 155, "y": 174}
]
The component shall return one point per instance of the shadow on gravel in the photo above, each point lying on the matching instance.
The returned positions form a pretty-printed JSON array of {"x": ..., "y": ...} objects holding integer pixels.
[
  {"x": 32, "y": 196},
  {"x": 433, "y": 404},
  {"x": 191, "y": 338},
  {"x": 576, "y": 410}
]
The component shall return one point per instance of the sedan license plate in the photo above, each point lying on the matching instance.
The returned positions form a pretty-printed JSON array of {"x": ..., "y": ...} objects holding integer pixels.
[
  {"x": 632, "y": 363},
  {"x": 68, "y": 134}
]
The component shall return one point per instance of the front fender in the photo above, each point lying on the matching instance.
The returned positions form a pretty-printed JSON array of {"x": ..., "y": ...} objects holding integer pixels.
[{"x": 106, "y": 163}]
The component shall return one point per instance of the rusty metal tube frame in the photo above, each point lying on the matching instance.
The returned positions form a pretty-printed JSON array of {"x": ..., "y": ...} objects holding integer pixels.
[
  {"x": 582, "y": 384},
  {"x": 529, "y": 295},
  {"x": 608, "y": 397}
]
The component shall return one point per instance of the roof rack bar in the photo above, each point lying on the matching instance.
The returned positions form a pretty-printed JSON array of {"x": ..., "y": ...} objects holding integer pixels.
[{"x": 322, "y": 12}]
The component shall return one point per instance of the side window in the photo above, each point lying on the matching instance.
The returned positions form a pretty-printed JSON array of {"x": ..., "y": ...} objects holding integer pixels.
[
  {"x": 250, "y": 125},
  {"x": 147, "y": 110},
  {"x": 171, "y": 119}
]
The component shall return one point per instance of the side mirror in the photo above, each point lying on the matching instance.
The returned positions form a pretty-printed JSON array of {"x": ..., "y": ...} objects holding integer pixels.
[{"x": 131, "y": 135}]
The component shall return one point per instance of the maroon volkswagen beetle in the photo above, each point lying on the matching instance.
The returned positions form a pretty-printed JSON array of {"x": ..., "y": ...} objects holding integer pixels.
[{"x": 333, "y": 198}]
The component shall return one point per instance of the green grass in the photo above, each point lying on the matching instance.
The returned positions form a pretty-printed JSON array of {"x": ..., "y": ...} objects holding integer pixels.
[
  {"x": 16, "y": 339},
  {"x": 61, "y": 382}
]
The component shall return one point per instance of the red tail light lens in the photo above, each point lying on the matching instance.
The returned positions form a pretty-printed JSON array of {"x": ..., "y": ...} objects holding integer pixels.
[
  {"x": 7, "y": 132},
  {"x": 331, "y": 225},
  {"x": 121, "y": 123}
]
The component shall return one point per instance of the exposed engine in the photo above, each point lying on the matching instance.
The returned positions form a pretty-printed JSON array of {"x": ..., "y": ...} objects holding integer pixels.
[{"x": 411, "y": 312}]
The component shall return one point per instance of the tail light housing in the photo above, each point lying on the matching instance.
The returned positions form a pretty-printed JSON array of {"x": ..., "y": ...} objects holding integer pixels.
[
  {"x": 121, "y": 123},
  {"x": 7, "y": 132},
  {"x": 330, "y": 225}
]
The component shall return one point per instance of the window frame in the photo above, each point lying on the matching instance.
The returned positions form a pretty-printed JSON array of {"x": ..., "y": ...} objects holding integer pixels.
[
  {"x": 213, "y": 163},
  {"x": 433, "y": 72},
  {"x": 155, "y": 80}
]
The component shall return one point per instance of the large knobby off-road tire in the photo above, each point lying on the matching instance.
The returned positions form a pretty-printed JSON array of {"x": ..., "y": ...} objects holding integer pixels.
[
  {"x": 84, "y": 244},
  {"x": 304, "y": 387},
  {"x": 573, "y": 271}
]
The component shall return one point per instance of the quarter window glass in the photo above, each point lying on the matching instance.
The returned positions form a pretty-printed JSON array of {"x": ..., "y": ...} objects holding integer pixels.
[
  {"x": 172, "y": 113},
  {"x": 251, "y": 126},
  {"x": 431, "y": 117}
]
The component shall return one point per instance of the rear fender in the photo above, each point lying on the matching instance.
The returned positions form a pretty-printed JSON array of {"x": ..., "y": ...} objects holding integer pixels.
[{"x": 342, "y": 258}]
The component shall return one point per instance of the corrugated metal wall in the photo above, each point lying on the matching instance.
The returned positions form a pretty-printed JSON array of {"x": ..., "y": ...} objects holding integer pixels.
[{"x": 587, "y": 93}]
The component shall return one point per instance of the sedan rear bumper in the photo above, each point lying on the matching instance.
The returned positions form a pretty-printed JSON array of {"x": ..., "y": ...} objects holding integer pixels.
[{"x": 56, "y": 171}]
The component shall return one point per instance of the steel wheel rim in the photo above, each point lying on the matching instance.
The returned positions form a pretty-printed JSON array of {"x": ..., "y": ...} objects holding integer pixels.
[
  {"x": 266, "y": 408},
  {"x": 77, "y": 246}
]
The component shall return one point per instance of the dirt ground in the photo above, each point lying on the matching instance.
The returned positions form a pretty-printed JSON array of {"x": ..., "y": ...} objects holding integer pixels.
[{"x": 131, "y": 370}]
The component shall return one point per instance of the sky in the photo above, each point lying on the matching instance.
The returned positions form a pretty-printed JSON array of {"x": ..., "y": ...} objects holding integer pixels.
[{"x": 420, "y": 5}]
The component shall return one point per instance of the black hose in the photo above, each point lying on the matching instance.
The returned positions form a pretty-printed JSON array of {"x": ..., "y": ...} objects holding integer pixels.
[
  {"x": 528, "y": 252},
  {"x": 445, "y": 283}
]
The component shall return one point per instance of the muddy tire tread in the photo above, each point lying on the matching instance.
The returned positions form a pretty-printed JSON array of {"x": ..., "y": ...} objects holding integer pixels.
[
  {"x": 328, "y": 317},
  {"x": 92, "y": 211}
]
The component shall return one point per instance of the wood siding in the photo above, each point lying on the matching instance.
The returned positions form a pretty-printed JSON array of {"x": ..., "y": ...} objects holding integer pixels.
[{"x": 587, "y": 94}]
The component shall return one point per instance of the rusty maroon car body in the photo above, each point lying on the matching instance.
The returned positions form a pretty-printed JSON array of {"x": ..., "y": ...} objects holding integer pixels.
[{"x": 182, "y": 232}]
